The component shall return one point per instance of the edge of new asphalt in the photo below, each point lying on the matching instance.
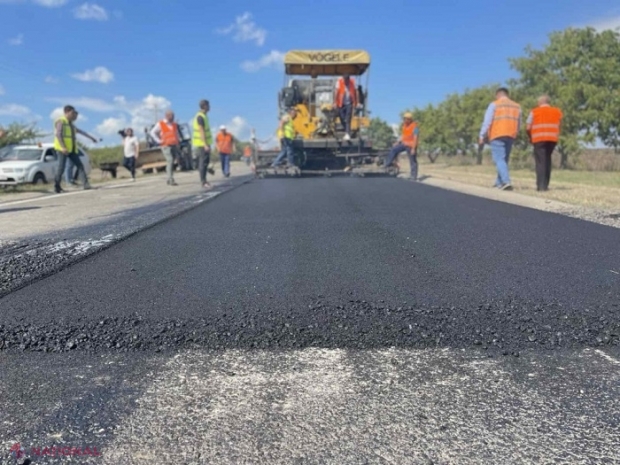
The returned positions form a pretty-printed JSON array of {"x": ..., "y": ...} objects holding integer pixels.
[{"x": 123, "y": 236}]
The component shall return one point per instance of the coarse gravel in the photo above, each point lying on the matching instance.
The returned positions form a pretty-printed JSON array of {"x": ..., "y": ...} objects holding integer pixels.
[{"x": 353, "y": 263}]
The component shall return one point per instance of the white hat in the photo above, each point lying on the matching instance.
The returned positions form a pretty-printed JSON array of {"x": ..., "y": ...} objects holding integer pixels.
[{"x": 222, "y": 128}]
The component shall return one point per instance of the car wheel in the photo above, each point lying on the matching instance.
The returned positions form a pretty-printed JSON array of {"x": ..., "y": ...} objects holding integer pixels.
[{"x": 39, "y": 179}]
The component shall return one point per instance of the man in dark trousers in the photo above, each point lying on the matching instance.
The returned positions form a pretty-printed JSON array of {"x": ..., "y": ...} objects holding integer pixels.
[{"x": 543, "y": 129}]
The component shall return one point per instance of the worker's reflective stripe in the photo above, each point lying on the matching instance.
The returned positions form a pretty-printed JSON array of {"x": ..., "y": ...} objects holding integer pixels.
[
  {"x": 68, "y": 135},
  {"x": 196, "y": 139},
  {"x": 289, "y": 130},
  {"x": 546, "y": 126}
]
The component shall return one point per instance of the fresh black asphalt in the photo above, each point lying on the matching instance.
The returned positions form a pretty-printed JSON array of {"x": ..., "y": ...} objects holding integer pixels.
[{"x": 335, "y": 263}]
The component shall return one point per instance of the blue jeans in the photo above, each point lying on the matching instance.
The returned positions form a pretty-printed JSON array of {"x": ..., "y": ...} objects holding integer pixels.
[
  {"x": 70, "y": 172},
  {"x": 225, "y": 159},
  {"x": 501, "y": 148},
  {"x": 287, "y": 150},
  {"x": 395, "y": 151},
  {"x": 130, "y": 164}
]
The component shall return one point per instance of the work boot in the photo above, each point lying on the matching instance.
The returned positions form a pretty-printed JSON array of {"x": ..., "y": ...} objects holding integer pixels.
[
  {"x": 58, "y": 189},
  {"x": 87, "y": 186},
  {"x": 506, "y": 187}
]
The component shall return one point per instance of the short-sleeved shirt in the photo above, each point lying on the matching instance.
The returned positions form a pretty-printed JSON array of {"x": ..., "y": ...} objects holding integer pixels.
[{"x": 130, "y": 144}]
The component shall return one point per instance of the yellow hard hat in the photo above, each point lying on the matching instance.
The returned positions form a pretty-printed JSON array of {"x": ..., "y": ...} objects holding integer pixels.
[{"x": 408, "y": 115}]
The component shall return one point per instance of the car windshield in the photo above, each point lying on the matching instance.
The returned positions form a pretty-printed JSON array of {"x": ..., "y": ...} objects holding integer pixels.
[{"x": 22, "y": 154}]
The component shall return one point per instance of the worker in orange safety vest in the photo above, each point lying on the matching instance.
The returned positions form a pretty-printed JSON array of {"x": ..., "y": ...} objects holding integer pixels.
[
  {"x": 502, "y": 123},
  {"x": 166, "y": 134},
  {"x": 543, "y": 129},
  {"x": 408, "y": 142},
  {"x": 247, "y": 154},
  {"x": 225, "y": 146},
  {"x": 346, "y": 99}
]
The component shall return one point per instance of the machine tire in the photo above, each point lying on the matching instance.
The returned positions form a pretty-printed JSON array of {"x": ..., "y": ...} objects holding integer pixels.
[{"x": 39, "y": 179}]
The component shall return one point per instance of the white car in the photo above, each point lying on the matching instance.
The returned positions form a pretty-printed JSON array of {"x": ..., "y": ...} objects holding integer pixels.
[{"x": 33, "y": 164}]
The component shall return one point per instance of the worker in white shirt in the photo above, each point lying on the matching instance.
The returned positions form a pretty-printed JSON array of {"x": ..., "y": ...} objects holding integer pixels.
[{"x": 131, "y": 148}]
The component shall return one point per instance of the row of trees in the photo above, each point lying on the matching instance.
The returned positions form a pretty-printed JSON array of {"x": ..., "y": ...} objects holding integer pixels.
[{"x": 578, "y": 68}]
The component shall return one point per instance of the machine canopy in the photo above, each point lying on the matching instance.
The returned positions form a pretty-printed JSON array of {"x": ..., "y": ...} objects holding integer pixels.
[{"x": 326, "y": 62}]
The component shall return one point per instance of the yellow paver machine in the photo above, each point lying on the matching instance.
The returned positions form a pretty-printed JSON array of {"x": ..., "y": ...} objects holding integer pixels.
[{"x": 321, "y": 145}]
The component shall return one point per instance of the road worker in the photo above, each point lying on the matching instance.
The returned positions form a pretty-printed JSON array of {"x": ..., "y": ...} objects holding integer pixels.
[
  {"x": 502, "y": 122},
  {"x": 65, "y": 145},
  {"x": 346, "y": 99},
  {"x": 247, "y": 154},
  {"x": 543, "y": 129},
  {"x": 225, "y": 146},
  {"x": 288, "y": 133},
  {"x": 408, "y": 142},
  {"x": 166, "y": 134},
  {"x": 201, "y": 141}
]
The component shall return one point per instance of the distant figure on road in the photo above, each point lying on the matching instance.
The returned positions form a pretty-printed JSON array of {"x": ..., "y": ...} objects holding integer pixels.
[
  {"x": 166, "y": 134},
  {"x": 247, "y": 154},
  {"x": 131, "y": 148},
  {"x": 287, "y": 131},
  {"x": 543, "y": 129},
  {"x": 65, "y": 145},
  {"x": 502, "y": 122},
  {"x": 201, "y": 141},
  {"x": 408, "y": 142},
  {"x": 225, "y": 146}
]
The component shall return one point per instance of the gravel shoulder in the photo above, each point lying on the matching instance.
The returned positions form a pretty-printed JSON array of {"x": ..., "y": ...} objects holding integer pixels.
[{"x": 575, "y": 197}]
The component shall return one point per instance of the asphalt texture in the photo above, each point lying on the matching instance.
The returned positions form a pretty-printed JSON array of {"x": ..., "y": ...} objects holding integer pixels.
[{"x": 431, "y": 326}]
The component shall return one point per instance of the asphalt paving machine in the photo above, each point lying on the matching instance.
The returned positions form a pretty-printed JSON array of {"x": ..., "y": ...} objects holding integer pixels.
[{"x": 321, "y": 147}]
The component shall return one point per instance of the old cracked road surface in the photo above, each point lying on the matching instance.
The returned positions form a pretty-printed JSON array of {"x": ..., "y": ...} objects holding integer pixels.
[{"x": 324, "y": 321}]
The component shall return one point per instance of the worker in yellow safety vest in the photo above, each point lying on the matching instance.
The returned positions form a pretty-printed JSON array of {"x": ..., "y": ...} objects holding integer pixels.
[
  {"x": 65, "y": 145},
  {"x": 201, "y": 141},
  {"x": 288, "y": 133}
]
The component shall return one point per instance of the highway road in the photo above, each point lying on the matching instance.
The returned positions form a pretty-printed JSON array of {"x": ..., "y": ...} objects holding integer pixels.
[{"x": 320, "y": 320}]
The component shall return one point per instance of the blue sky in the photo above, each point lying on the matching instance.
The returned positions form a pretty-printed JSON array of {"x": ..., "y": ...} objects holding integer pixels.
[{"x": 119, "y": 62}]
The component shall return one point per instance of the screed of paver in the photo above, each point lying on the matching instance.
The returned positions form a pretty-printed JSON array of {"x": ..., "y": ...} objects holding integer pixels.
[{"x": 378, "y": 406}]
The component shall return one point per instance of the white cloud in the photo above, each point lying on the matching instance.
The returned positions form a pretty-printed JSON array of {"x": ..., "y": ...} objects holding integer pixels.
[
  {"x": 56, "y": 113},
  {"x": 273, "y": 59},
  {"x": 238, "y": 127},
  {"x": 17, "y": 40},
  {"x": 91, "y": 11},
  {"x": 44, "y": 3},
  {"x": 93, "y": 104},
  {"x": 111, "y": 126},
  {"x": 608, "y": 23},
  {"x": 245, "y": 30},
  {"x": 51, "y": 80},
  {"x": 143, "y": 113},
  {"x": 13, "y": 109},
  {"x": 50, "y": 3},
  {"x": 99, "y": 74},
  {"x": 2, "y": 92}
]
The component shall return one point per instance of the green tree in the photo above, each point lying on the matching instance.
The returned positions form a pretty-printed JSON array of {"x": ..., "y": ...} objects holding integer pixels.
[
  {"x": 18, "y": 133},
  {"x": 580, "y": 70},
  {"x": 381, "y": 134}
]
